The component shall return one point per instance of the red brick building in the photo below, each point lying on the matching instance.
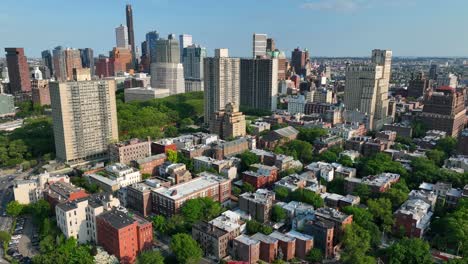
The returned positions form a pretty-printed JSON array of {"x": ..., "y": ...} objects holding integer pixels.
[
  {"x": 286, "y": 244},
  {"x": 304, "y": 243},
  {"x": 60, "y": 192},
  {"x": 18, "y": 70},
  {"x": 162, "y": 146},
  {"x": 122, "y": 235},
  {"x": 260, "y": 175},
  {"x": 150, "y": 165},
  {"x": 40, "y": 92},
  {"x": 268, "y": 247}
]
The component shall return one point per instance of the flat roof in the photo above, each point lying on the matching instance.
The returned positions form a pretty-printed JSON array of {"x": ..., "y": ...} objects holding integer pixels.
[
  {"x": 300, "y": 236},
  {"x": 184, "y": 189},
  {"x": 282, "y": 237},
  {"x": 244, "y": 239},
  {"x": 116, "y": 218}
]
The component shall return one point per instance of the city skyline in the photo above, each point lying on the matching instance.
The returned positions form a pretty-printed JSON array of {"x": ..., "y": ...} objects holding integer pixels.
[{"x": 329, "y": 27}]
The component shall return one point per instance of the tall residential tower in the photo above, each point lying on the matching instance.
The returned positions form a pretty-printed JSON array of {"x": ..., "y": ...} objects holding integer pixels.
[{"x": 18, "y": 70}]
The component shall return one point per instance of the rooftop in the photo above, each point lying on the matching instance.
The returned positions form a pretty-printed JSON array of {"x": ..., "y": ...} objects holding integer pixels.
[
  {"x": 117, "y": 218},
  {"x": 331, "y": 214},
  {"x": 244, "y": 239},
  {"x": 300, "y": 236},
  {"x": 184, "y": 189},
  {"x": 264, "y": 238},
  {"x": 210, "y": 229},
  {"x": 260, "y": 196},
  {"x": 151, "y": 158},
  {"x": 282, "y": 237}
]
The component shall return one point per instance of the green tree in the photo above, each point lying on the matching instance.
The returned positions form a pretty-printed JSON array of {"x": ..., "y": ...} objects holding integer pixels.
[
  {"x": 298, "y": 149},
  {"x": 186, "y": 122},
  {"x": 203, "y": 208},
  {"x": 248, "y": 158},
  {"x": 437, "y": 156},
  {"x": 186, "y": 249},
  {"x": 307, "y": 196},
  {"x": 328, "y": 156},
  {"x": 159, "y": 224},
  {"x": 356, "y": 244},
  {"x": 311, "y": 134},
  {"x": 150, "y": 257},
  {"x": 314, "y": 256},
  {"x": 171, "y": 131},
  {"x": 398, "y": 194},
  {"x": 281, "y": 193},
  {"x": 363, "y": 191},
  {"x": 408, "y": 250},
  {"x": 247, "y": 187},
  {"x": 345, "y": 161},
  {"x": 14, "y": 208},
  {"x": 145, "y": 176},
  {"x": 236, "y": 191},
  {"x": 336, "y": 186},
  {"x": 254, "y": 227},
  {"x": 5, "y": 237},
  {"x": 365, "y": 219},
  {"x": 381, "y": 209},
  {"x": 447, "y": 145},
  {"x": 172, "y": 156},
  {"x": 278, "y": 214}
]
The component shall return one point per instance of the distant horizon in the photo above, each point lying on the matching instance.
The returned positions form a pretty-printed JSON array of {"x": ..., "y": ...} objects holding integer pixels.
[{"x": 327, "y": 28}]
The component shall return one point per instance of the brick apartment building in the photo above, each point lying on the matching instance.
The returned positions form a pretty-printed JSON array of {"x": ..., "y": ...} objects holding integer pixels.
[
  {"x": 286, "y": 245},
  {"x": 168, "y": 200},
  {"x": 212, "y": 239},
  {"x": 413, "y": 218},
  {"x": 162, "y": 146},
  {"x": 59, "y": 192},
  {"x": 122, "y": 235},
  {"x": 246, "y": 249},
  {"x": 127, "y": 151},
  {"x": 268, "y": 247},
  {"x": 260, "y": 176},
  {"x": 139, "y": 198},
  {"x": 377, "y": 183},
  {"x": 149, "y": 165},
  {"x": 304, "y": 243},
  {"x": 322, "y": 232},
  {"x": 257, "y": 204},
  {"x": 340, "y": 220}
]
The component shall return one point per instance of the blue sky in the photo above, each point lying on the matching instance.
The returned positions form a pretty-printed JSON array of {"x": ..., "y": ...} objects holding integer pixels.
[{"x": 325, "y": 27}]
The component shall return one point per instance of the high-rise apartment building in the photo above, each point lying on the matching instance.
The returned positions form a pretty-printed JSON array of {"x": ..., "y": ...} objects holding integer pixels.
[
  {"x": 47, "y": 60},
  {"x": 221, "y": 83},
  {"x": 259, "y": 83},
  {"x": 433, "y": 72},
  {"x": 167, "y": 72},
  {"x": 185, "y": 40},
  {"x": 367, "y": 88},
  {"x": 59, "y": 64},
  {"x": 40, "y": 92},
  {"x": 259, "y": 43},
  {"x": 18, "y": 70},
  {"x": 192, "y": 59},
  {"x": 72, "y": 61},
  {"x": 299, "y": 59},
  {"x": 122, "y": 60},
  {"x": 448, "y": 79},
  {"x": 151, "y": 39},
  {"x": 84, "y": 118},
  {"x": 444, "y": 109},
  {"x": 418, "y": 85},
  {"x": 121, "y": 37},
  {"x": 270, "y": 44},
  {"x": 131, "y": 34},
  {"x": 87, "y": 59}
]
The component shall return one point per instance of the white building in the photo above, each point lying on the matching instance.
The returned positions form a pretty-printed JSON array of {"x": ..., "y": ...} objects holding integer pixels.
[
  {"x": 449, "y": 79},
  {"x": 259, "y": 45},
  {"x": 322, "y": 169},
  {"x": 78, "y": 218},
  {"x": 121, "y": 36},
  {"x": 458, "y": 164},
  {"x": 296, "y": 104},
  {"x": 168, "y": 76},
  {"x": 185, "y": 40},
  {"x": 144, "y": 93},
  {"x": 31, "y": 190},
  {"x": 124, "y": 175}
]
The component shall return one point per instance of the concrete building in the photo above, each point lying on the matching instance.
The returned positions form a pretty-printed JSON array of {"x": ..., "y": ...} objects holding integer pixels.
[
  {"x": 221, "y": 83},
  {"x": 72, "y": 61},
  {"x": 418, "y": 85},
  {"x": 192, "y": 59},
  {"x": 259, "y": 45},
  {"x": 18, "y": 70},
  {"x": 257, "y": 204},
  {"x": 463, "y": 142},
  {"x": 123, "y": 236},
  {"x": 228, "y": 123},
  {"x": 130, "y": 150},
  {"x": 444, "y": 109},
  {"x": 144, "y": 94},
  {"x": 83, "y": 131},
  {"x": 367, "y": 88},
  {"x": 87, "y": 59},
  {"x": 59, "y": 63},
  {"x": 151, "y": 40},
  {"x": 168, "y": 200},
  {"x": 121, "y": 37},
  {"x": 131, "y": 34},
  {"x": 139, "y": 198},
  {"x": 299, "y": 58},
  {"x": 259, "y": 83},
  {"x": 7, "y": 105},
  {"x": 46, "y": 56},
  {"x": 122, "y": 174},
  {"x": 246, "y": 249},
  {"x": 322, "y": 232},
  {"x": 448, "y": 79}
]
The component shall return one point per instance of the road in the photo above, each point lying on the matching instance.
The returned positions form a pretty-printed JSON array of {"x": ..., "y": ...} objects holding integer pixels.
[{"x": 25, "y": 247}]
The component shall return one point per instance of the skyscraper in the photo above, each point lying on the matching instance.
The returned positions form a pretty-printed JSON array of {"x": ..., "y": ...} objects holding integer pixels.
[
  {"x": 18, "y": 70},
  {"x": 259, "y": 83},
  {"x": 259, "y": 44},
  {"x": 121, "y": 37},
  {"x": 122, "y": 60},
  {"x": 418, "y": 85},
  {"x": 151, "y": 39},
  {"x": 84, "y": 119},
  {"x": 131, "y": 35},
  {"x": 433, "y": 70},
  {"x": 298, "y": 60},
  {"x": 72, "y": 61},
  {"x": 167, "y": 72},
  {"x": 185, "y": 40},
  {"x": 366, "y": 88},
  {"x": 192, "y": 60},
  {"x": 145, "y": 58},
  {"x": 270, "y": 44},
  {"x": 47, "y": 60},
  {"x": 60, "y": 68},
  {"x": 221, "y": 83},
  {"x": 87, "y": 59}
]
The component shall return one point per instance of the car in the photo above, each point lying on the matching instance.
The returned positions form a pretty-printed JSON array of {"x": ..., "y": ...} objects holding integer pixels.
[{"x": 16, "y": 236}]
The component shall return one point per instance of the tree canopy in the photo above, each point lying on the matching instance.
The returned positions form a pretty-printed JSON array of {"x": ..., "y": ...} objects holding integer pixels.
[
  {"x": 150, "y": 257},
  {"x": 186, "y": 249},
  {"x": 203, "y": 208},
  {"x": 407, "y": 250}
]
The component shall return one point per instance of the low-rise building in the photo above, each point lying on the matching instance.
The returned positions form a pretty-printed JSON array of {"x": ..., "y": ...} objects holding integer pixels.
[
  {"x": 413, "y": 218},
  {"x": 257, "y": 204},
  {"x": 127, "y": 151},
  {"x": 339, "y": 201},
  {"x": 246, "y": 249},
  {"x": 60, "y": 192},
  {"x": 150, "y": 165},
  {"x": 213, "y": 240},
  {"x": 377, "y": 183},
  {"x": 321, "y": 169},
  {"x": 258, "y": 127},
  {"x": 304, "y": 243},
  {"x": 144, "y": 93},
  {"x": 168, "y": 200},
  {"x": 278, "y": 137},
  {"x": 340, "y": 220},
  {"x": 458, "y": 164},
  {"x": 31, "y": 190},
  {"x": 286, "y": 245},
  {"x": 123, "y": 236},
  {"x": 260, "y": 175},
  {"x": 268, "y": 247}
]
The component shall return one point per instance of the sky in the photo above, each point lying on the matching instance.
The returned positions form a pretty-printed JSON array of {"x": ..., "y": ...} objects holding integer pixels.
[{"x": 325, "y": 27}]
